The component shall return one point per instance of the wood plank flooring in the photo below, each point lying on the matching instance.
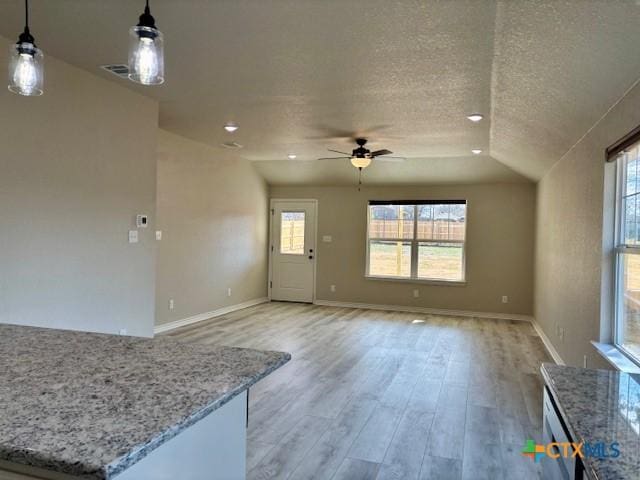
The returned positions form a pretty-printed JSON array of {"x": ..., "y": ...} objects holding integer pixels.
[{"x": 387, "y": 395}]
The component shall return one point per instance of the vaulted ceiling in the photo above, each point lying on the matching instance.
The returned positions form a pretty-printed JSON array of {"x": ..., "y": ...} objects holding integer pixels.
[{"x": 297, "y": 75}]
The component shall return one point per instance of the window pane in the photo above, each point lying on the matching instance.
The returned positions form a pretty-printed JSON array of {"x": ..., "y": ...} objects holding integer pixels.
[
  {"x": 630, "y": 326},
  {"x": 440, "y": 261},
  {"x": 390, "y": 259},
  {"x": 292, "y": 233},
  {"x": 391, "y": 221},
  {"x": 632, "y": 173},
  {"x": 630, "y": 206},
  {"x": 441, "y": 222}
]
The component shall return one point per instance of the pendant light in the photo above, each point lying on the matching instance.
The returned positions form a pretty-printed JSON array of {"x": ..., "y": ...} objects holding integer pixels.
[
  {"x": 146, "y": 51},
  {"x": 26, "y": 67}
]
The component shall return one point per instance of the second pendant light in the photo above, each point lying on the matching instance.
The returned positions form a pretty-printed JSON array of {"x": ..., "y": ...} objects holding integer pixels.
[
  {"x": 146, "y": 51},
  {"x": 25, "y": 63}
]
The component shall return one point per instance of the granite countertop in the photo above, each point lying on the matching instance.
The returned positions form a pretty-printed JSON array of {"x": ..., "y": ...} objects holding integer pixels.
[
  {"x": 92, "y": 405},
  {"x": 600, "y": 406}
]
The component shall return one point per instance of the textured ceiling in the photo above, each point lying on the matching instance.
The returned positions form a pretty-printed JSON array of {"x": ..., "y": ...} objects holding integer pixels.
[
  {"x": 414, "y": 171},
  {"x": 406, "y": 73},
  {"x": 558, "y": 67}
]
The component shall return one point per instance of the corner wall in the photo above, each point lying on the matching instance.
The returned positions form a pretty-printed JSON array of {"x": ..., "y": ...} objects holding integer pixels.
[
  {"x": 213, "y": 213},
  {"x": 76, "y": 166},
  {"x": 572, "y": 249},
  {"x": 499, "y": 250}
]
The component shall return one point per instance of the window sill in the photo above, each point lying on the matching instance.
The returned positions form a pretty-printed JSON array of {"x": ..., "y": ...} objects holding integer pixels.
[
  {"x": 446, "y": 283},
  {"x": 616, "y": 358}
]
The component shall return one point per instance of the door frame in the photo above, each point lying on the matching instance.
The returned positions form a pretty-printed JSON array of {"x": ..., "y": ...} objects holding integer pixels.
[{"x": 272, "y": 202}]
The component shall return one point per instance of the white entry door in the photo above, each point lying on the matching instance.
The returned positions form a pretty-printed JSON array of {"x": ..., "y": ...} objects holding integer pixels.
[{"x": 293, "y": 250}]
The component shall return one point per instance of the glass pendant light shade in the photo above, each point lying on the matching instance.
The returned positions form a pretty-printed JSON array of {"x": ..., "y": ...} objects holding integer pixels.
[
  {"x": 26, "y": 67},
  {"x": 26, "y": 72},
  {"x": 360, "y": 162},
  {"x": 146, "y": 51},
  {"x": 146, "y": 56}
]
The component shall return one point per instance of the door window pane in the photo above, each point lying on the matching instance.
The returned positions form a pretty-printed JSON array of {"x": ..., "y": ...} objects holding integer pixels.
[
  {"x": 292, "y": 233},
  {"x": 391, "y": 221},
  {"x": 630, "y": 303},
  {"x": 390, "y": 259},
  {"x": 441, "y": 261}
]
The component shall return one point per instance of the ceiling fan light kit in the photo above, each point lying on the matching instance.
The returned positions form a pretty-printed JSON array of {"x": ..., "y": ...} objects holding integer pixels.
[
  {"x": 361, "y": 162},
  {"x": 26, "y": 67},
  {"x": 361, "y": 157}
]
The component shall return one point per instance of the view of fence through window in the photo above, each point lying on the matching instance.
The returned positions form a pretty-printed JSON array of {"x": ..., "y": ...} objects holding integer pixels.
[
  {"x": 292, "y": 233},
  {"x": 422, "y": 241},
  {"x": 628, "y": 253}
]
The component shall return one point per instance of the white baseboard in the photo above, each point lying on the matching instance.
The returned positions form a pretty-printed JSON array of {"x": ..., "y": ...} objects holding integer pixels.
[
  {"x": 547, "y": 343},
  {"x": 165, "y": 327},
  {"x": 431, "y": 311}
]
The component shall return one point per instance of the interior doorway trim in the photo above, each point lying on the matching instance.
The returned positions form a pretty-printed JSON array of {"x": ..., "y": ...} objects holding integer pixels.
[{"x": 272, "y": 203}]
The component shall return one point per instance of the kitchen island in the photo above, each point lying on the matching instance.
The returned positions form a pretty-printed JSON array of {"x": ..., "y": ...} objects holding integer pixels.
[
  {"x": 93, "y": 406},
  {"x": 599, "y": 408}
]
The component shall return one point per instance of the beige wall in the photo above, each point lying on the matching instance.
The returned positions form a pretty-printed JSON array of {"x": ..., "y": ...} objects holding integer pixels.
[
  {"x": 570, "y": 259},
  {"x": 213, "y": 212},
  {"x": 499, "y": 247},
  {"x": 76, "y": 166}
]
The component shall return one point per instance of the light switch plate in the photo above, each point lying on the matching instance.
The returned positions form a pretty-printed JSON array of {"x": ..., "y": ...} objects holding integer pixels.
[
  {"x": 327, "y": 238},
  {"x": 133, "y": 236},
  {"x": 158, "y": 234}
]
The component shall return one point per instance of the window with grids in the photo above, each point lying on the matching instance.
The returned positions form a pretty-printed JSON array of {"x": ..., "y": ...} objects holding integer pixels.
[
  {"x": 420, "y": 240},
  {"x": 627, "y": 257}
]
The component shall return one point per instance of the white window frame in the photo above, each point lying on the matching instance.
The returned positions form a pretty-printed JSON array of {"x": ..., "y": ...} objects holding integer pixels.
[
  {"x": 621, "y": 248},
  {"x": 415, "y": 242}
]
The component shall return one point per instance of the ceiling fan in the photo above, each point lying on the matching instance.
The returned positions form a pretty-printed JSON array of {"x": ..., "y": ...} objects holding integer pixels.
[{"x": 361, "y": 157}]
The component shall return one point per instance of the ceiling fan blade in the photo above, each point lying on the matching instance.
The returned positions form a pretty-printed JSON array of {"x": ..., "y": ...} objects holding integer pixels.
[
  {"x": 390, "y": 159},
  {"x": 338, "y": 151},
  {"x": 377, "y": 153},
  {"x": 329, "y": 132},
  {"x": 334, "y": 158}
]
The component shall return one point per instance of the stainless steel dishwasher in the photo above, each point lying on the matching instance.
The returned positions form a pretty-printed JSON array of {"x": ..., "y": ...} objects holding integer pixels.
[{"x": 555, "y": 431}]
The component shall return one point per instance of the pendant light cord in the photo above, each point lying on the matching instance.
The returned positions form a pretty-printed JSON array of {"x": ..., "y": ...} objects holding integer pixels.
[{"x": 26, "y": 14}]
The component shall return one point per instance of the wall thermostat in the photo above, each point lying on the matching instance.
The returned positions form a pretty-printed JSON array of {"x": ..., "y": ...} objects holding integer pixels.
[{"x": 141, "y": 221}]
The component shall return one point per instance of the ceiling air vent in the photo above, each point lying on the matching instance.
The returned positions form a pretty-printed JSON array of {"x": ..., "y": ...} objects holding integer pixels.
[
  {"x": 118, "y": 69},
  {"x": 231, "y": 145}
]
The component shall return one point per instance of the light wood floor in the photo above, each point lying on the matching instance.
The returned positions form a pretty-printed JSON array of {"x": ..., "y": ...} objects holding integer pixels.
[{"x": 379, "y": 395}]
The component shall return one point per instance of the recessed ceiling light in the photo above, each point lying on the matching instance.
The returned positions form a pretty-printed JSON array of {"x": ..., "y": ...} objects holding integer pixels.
[
  {"x": 231, "y": 127},
  {"x": 292, "y": 156},
  {"x": 475, "y": 117},
  {"x": 476, "y": 151}
]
